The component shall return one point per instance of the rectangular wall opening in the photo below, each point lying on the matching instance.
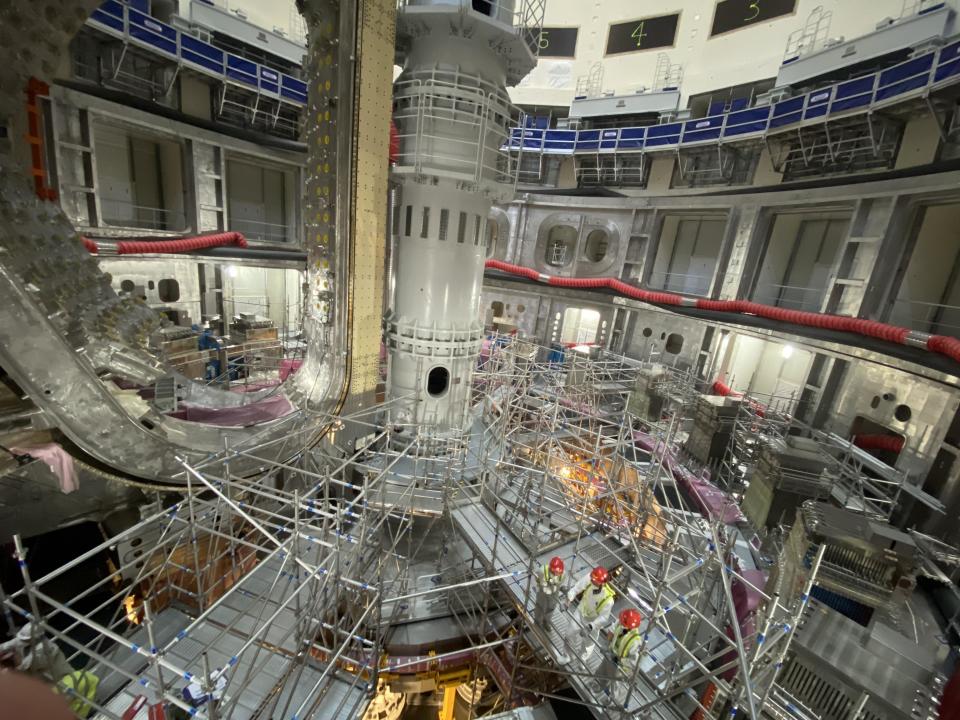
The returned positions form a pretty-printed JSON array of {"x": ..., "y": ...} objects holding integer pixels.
[
  {"x": 580, "y": 326},
  {"x": 260, "y": 201},
  {"x": 772, "y": 372},
  {"x": 687, "y": 253},
  {"x": 928, "y": 299},
  {"x": 799, "y": 258},
  {"x": 273, "y": 294},
  {"x": 140, "y": 179}
]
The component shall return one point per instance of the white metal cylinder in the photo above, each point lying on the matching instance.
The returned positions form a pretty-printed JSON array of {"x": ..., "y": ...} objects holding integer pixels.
[
  {"x": 433, "y": 331},
  {"x": 452, "y": 114}
]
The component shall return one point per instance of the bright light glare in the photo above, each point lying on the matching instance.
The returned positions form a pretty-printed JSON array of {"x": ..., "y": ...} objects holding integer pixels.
[{"x": 787, "y": 352}]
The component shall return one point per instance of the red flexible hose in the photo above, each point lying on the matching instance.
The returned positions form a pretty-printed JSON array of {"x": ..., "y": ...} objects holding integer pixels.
[
  {"x": 179, "y": 245},
  {"x": 722, "y": 390},
  {"x": 942, "y": 344},
  {"x": 894, "y": 443},
  {"x": 394, "y": 142}
]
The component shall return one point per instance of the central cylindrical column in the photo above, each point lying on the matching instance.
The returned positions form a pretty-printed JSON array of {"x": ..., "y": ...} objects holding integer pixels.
[
  {"x": 434, "y": 331},
  {"x": 452, "y": 114}
]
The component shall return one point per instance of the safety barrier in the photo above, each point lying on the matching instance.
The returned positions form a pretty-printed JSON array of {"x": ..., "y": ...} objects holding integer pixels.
[
  {"x": 139, "y": 28},
  {"x": 911, "y": 79}
]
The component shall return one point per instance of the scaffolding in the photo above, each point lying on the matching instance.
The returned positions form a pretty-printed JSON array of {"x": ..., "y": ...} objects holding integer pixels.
[
  {"x": 775, "y": 462},
  {"x": 573, "y": 481},
  {"x": 293, "y": 594}
]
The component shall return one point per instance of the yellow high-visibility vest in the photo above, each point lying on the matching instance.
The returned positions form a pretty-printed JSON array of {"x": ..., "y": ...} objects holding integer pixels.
[
  {"x": 550, "y": 579},
  {"x": 592, "y": 603},
  {"x": 623, "y": 642},
  {"x": 81, "y": 686}
]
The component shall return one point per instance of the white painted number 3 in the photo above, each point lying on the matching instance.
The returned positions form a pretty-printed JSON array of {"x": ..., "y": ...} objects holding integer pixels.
[{"x": 754, "y": 7}]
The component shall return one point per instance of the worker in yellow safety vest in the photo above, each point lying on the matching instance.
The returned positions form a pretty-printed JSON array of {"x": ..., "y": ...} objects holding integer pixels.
[
  {"x": 32, "y": 652},
  {"x": 81, "y": 687},
  {"x": 551, "y": 582},
  {"x": 595, "y": 606},
  {"x": 624, "y": 652}
]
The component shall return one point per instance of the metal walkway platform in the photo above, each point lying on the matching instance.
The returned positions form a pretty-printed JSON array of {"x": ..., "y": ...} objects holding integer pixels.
[
  {"x": 504, "y": 554},
  {"x": 258, "y": 678}
]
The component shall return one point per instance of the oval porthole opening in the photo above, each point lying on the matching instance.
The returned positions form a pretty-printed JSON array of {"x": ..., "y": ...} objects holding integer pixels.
[
  {"x": 438, "y": 380},
  {"x": 674, "y": 344},
  {"x": 596, "y": 246}
]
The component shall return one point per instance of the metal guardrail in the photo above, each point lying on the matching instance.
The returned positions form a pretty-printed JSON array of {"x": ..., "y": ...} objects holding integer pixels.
[
  {"x": 935, "y": 318},
  {"x": 791, "y": 296},
  {"x": 124, "y": 213},
  {"x": 525, "y": 16},
  {"x": 453, "y": 122},
  {"x": 262, "y": 231},
  {"x": 912, "y": 79},
  {"x": 138, "y": 28},
  {"x": 681, "y": 282}
]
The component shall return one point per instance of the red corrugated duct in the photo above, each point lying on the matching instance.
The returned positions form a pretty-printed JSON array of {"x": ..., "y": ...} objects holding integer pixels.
[
  {"x": 723, "y": 390},
  {"x": 942, "y": 344},
  {"x": 394, "y": 142},
  {"x": 177, "y": 246},
  {"x": 718, "y": 388},
  {"x": 894, "y": 443}
]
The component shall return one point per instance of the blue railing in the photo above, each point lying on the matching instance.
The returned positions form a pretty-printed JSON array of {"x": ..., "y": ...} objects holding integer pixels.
[
  {"x": 912, "y": 78},
  {"x": 132, "y": 25}
]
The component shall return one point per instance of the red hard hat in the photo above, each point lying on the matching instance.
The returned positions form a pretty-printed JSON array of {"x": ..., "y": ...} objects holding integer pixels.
[
  {"x": 630, "y": 619},
  {"x": 556, "y": 566},
  {"x": 599, "y": 576}
]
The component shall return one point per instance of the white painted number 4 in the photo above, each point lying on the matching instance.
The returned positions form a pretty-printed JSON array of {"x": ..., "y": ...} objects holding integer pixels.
[
  {"x": 638, "y": 34},
  {"x": 754, "y": 6}
]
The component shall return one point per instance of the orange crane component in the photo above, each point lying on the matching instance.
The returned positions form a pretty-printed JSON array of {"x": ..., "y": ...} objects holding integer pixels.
[
  {"x": 706, "y": 700},
  {"x": 36, "y": 89}
]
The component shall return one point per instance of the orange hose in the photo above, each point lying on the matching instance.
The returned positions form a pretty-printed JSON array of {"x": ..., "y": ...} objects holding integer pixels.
[
  {"x": 35, "y": 89},
  {"x": 706, "y": 700}
]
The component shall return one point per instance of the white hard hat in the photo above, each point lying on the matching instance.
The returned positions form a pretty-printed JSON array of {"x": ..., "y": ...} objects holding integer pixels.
[{"x": 26, "y": 632}]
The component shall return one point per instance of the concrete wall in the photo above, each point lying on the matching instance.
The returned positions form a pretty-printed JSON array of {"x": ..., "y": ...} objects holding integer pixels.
[
  {"x": 687, "y": 253},
  {"x": 647, "y": 334},
  {"x": 259, "y": 199},
  {"x": 921, "y": 141},
  {"x": 191, "y": 162},
  {"x": 140, "y": 178},
  {"x": 879, "y": 214},
  {"x": 874, "y": 392},
  {"x": 146, "y": 275},
  {"x": 799, "y": 259},
  {"x": 772, "y": 371},
  {"x": 195, "y": 98},
  {"x": 709, "y": 63},
  {"x": 575, "y": 230},
  {"x": 932, "y": 277},
  {"x": 272, "y": 293}
]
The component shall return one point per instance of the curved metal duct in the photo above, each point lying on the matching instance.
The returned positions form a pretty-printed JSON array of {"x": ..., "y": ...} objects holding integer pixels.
[{"x": 61, "y": 324}]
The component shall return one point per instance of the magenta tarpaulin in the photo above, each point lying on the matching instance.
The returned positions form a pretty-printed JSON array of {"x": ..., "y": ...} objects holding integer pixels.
[
  {"x": 270, "y": 408},
  {"x": 58, "y": 460}
]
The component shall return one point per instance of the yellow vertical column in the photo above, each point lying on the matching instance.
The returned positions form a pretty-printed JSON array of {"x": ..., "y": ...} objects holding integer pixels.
[
  {"x": 449, "y": 701},
  {"x": 376, "y": 41}
]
